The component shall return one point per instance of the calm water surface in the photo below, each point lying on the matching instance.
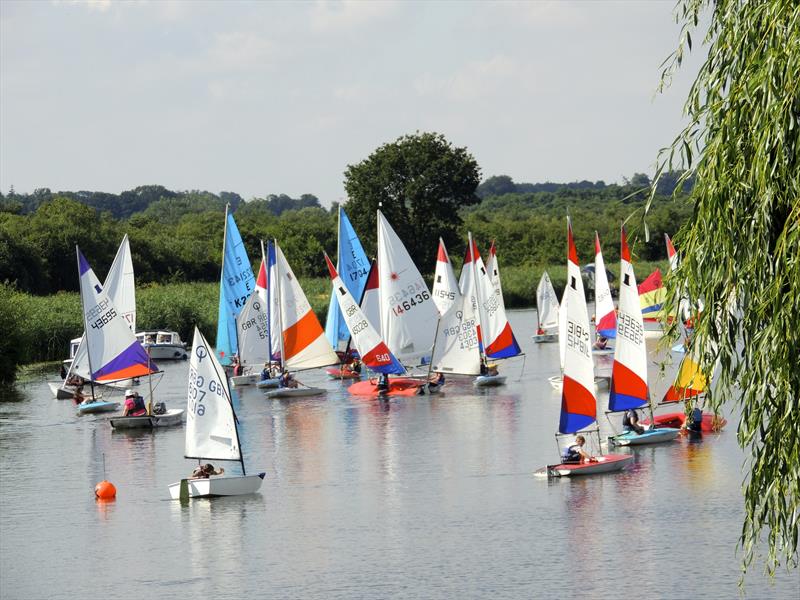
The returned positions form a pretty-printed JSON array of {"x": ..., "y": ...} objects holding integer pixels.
[{"x": 415, "y": 497}]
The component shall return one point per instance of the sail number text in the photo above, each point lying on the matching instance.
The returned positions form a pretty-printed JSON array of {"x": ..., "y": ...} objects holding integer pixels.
[
  {"x": 199, "y": 387},
  {"x": 408, "y": 298},
  {"x": 578, "y": 338},
  {"x": 630, "y": 328},
  {"x": 102, "y": 314}
]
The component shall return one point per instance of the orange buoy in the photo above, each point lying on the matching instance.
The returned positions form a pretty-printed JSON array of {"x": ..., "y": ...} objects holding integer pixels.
[{"x": 105, "y": 490}]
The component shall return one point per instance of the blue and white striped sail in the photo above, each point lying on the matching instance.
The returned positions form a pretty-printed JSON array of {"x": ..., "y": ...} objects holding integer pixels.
[
  {"x": 235, "y": 286},
  {"x": 353, "y": 268}
]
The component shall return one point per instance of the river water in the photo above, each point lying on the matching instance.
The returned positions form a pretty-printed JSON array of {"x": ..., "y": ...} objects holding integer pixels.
[{"x": 422, "y": 497}]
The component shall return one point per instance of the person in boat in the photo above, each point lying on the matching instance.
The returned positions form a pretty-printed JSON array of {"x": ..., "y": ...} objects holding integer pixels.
[
  {"x": 540, "y": 331},
  {"x": 75, "y": 380},
  {"x": 383, "y": 383},
  {"x": 575, "y": 453},
  {"x": 78, "y": 395},
  {"x": 601, "y": 343},
  {"x": 694, "y": 423},
  {"x": 63, "y": 371},
  {"x": 287, "y": 380},
  {"x": 436, "y": 381},
  {"x": 134, "y": 405},
  {"x": 630, "y": 422},
  {"x": 237, "y": 365},
  {"x": 205, "y": 471}
]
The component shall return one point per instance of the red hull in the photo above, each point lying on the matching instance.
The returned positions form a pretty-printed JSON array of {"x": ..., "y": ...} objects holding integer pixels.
[
  {"x": 399, "y": 386},
  {"x": 339, "y": 374},
  {"x": 710, "y": 424}
]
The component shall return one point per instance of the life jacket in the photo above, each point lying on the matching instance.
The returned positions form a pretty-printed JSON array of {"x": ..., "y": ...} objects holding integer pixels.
[
  {"x": 571, "y": 454},
  {"x": 138, "y": 408}
]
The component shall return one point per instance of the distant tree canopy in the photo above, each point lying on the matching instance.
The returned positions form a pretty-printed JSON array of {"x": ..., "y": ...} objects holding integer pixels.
[{"x": 420, "y": 182}]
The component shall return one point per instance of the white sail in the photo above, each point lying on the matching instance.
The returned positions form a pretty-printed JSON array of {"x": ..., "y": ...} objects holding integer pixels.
[
  {"x": 408, "y": 314},
  {"x": 120, "y": 287},
  {"x": 304, "y": 343},
  {"x": 445, "y": 286},
  {"x": 562, "y": 327},
  {"x": 546, "y": 303},
  {"x": 578, "y": 364},
  {"x": 371, "y": 299},
  {"x": 629, "y": 373},
  {"x": 252, "y": 324},
  {"x": 112, "y": 351},
  {"x": 210, "y": 422},
  {"x": 457, "y": 349}
]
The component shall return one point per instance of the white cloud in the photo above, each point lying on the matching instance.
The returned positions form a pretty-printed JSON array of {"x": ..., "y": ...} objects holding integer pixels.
[
  {"x": 240, "y": 50},
  {"x": 348, "y": 14},
  {"x": 474, "y": 80}
]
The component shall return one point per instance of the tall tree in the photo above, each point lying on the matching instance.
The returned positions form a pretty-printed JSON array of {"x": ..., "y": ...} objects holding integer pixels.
[
  {"x": 741, "y": 247},
  {"x": 420, "y": 181}
]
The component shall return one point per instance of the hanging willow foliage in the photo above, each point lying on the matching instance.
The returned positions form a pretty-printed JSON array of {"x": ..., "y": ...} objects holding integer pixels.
[{"x": 741, "y": 248}]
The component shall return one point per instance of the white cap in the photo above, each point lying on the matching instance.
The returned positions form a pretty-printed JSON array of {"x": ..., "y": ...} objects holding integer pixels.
[{"x": 129, "y": 392}]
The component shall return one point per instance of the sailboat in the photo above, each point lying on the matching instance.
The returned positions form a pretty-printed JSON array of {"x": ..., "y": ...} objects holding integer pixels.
[
  {"x": 211, "y": 431},
  {"x": 353, "y": 265},
  {"x": 235, "y": 286},
  {"x": 406, "y": 311},
  {"x": 119, "y": 285},
  {"x": 546, "y": 311},
  {"x": 457, "y": 348},
  {"x": 302, "y": 342},
  {"x": 690, "y": 383},
  {"x": 253, "y": 331},
  {"x": 578, "y": 401},
  {"x": 629, "y": 389},
  {"x": 112, "y": 351},
  {"x": 605, "y": 316},
  {"x": 494, "y": 332}
]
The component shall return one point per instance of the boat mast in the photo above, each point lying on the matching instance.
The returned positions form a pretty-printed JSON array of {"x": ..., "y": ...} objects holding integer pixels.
[
  {"x": 85, "y": 324},
  {"x": 280, "y": 304},
  {"x": 222, "y": 269},
  {"x": 150, "y": 383},
  {"x": 482, "y": 344}
]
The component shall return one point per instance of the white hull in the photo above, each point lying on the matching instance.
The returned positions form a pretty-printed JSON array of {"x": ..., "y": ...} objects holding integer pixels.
[
  {"x": 489, "y": 380},
  {"x": 295, "y": 392},
  {"x": 653, "y": 436},
  {"x": 545, "y": 338},
  {"x": 243, "y": 380},
  {"x": 172, "y": 417},
  {"x": 218, "y": 486}
]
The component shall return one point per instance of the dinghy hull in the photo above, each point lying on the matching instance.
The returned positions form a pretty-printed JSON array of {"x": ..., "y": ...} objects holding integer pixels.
[
  {"x": 336, "y": 373},
  {"x": 266, "y": 384},
  {"x": 608, "y": 463},
  {"x": 172, "y": 417},
  {"x": 218, "y": 486},
  {"x": 653, "y": 436},
  {"x": 244, "y": 380},
  {"x": 97, "y": 407},
  {"x": 711, "y": 423},
  {"x": 398, "y": 386},
  {"x": 545, "y": 338},
  {"x": 489, "y": 380},
  {"x": 299, "y": 392}
]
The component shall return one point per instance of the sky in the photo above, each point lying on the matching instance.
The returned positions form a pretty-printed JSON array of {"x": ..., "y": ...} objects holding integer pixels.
[{"x": 270, "y": 97}]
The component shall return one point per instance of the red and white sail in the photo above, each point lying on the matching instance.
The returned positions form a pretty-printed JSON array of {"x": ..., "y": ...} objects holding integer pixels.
[
  {"x": 605, "y": 317},
  {"x": 407, "y": 312},
  {"x": 629, "y": 373},
  {"x": 445, "y": 286},
  {"x": 304, "y": 345},
  {"x": 367, "y": 341},
  {"x": 578, "y": 402},
  {"x": 371, "y": 298}
]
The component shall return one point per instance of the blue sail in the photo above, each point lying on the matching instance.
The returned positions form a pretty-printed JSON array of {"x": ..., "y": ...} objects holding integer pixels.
[
  {"x": 353, "y": 268},
  {"x": 235, "y": 286}
]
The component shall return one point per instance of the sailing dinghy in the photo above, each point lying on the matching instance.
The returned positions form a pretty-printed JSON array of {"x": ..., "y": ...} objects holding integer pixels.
[
  {"x": 629, "y": 389},
  {"x": 211, "y": 431},
  {"x": 302, "y": 340},
  {"x": 406, "y": 312},
  {"x": 235, "y": 286},
  {"x": 690, "y": 383},
  {"x": 578, "y": 401},
  {"x": 112, "y": 351},
  {"x": 546, "y": 311}
]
